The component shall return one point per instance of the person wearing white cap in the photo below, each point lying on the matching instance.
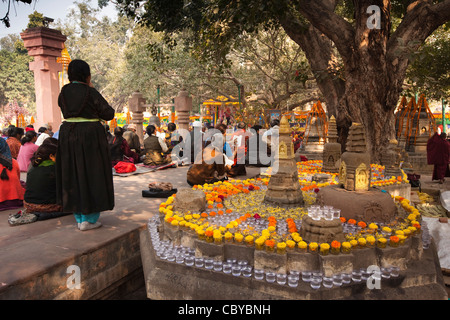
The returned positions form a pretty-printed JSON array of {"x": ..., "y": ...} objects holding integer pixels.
[{"x": 133, "y": 139}]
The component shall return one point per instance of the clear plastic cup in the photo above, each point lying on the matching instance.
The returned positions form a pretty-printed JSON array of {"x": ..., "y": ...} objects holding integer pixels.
[
  {"x": 209, "y": 263},
  {"x": 292, "y": 280},
  {"x": 236, "y": 270},
  {"x": 395, "y": 271},
  {"x": 270, "y": 276},
  {"x": 281, "y": 278},
  {"x": 226, "y": 267},
  {"x": 337, "y": 280},
  {"x": 217, "y": 265},
  {"x": 189, "y": 260},
  {"x": 327, "y": 282},
  {"x": 385, "y": 273},
  {"x": 179, "y": 259},
  {"x": 259, "y": 274},
  {"x": 316, "y": 283},
  {"x": 356, "y": 276},
  {"x": 306, "y": 276},
  {"x": 199, "y": 262},
  {"x": 346, "y": 278},
  {"x": 247, "y": 271}
]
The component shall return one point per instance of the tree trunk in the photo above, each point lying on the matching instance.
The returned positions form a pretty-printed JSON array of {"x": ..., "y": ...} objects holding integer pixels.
[{"x": 375, "y": 61}]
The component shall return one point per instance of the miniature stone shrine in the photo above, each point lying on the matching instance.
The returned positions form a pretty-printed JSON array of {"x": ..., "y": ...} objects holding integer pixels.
[
  {"x": 284, "y": 188},
  {"x": 332, "y": 149}
]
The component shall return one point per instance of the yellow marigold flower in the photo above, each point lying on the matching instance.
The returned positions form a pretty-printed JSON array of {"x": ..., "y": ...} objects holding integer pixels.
[
  {"x": 399, "y": 232},
  {"x": 324, "y": 246},
  {"x": 371, "y": 239},
  {"x": 200, "y": 232},
  {"x": 271, "y": 229},
  {"x": 174, "y": 222},
  {"x": 313, "y": 245},
  {"x": 362, "y": 241},
  {"x": 281, "y": 245},
  {"x": 196, "y": 216},
  {"x": 290, "y": 243},
  {"x": 302, "y": 245},
  {"x": 354, "y": 242},
  {"x": 238, "y": 237},
  {"x": 387, "y": 229},
  {"x": 346, "y": 245},
  {"x": 188, "y": 217},
  {"x": 260, "y": 241},
  {"x": 373, "y": 226},
  {"x": 228, "y": 235}
]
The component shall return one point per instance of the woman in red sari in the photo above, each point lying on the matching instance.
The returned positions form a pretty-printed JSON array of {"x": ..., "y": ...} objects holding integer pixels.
[{"x": 438, "y": 154}]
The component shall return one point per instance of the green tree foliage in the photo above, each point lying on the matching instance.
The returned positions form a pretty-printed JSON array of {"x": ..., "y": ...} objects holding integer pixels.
[
  {"x": 101, "y": 43},
  {"x": 16, "y": 80},
  {"x": 429, "y": 72}
]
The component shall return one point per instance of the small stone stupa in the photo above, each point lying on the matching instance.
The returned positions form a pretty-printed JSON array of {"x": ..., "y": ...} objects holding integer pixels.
[
  {"x": 355, "y": 172},
  {"x": 284, "y": 189},
  {"x": 332, "y": 149}
]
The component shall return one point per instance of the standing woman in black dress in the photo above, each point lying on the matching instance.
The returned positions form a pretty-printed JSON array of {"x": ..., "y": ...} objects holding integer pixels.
[{"x": 83, "y": 162}]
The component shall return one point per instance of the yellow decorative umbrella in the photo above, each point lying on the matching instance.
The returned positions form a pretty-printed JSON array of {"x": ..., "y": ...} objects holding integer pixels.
[{"x": 32, "y": 120}]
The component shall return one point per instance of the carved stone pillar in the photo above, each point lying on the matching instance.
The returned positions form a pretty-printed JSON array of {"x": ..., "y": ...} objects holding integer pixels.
[
  {"x": 136, "y": 105},
  {"x": 183, "y": 107},
  {"x": 45, "y": 46}
]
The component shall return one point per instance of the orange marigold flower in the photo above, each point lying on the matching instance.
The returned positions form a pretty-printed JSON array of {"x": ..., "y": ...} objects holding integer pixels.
[
  {"x": 270, "y": 243},
  {"x": 228, "y": 211},
  {"x": 394, "y": 239},
  {"x": 335, "y": 244},
  {"x": 209, "y": 233},
  {"x": 362, "y": 224},
  {"x": 351, "y": 221},
  {"x": 343, "y": 219},
  {"x": 204, "y": 215},
  {"x": 212, "y": 213},
  {"x": 219, "y": 205},
  {"x": 220, "y": 212}
]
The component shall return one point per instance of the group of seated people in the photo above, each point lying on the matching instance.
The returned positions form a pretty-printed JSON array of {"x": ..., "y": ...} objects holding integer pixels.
[
  {"x": 125, "y": 145},
  {"x": 38, "y": 195}
]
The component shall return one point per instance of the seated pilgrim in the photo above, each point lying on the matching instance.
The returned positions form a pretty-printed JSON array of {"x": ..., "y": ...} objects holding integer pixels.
[
  {"x": 212, "y": 165},
  {"x": 154, "y": 148},
  {"x": 11, "y": 190},
  {"x": 119, "y": 148},
  {"x": 40, "y": 194}
]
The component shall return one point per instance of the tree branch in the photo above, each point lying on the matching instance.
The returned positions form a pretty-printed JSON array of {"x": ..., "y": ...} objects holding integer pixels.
[
  {"x": 421, "y": 19},
  {"x": 336, "y": 28}
]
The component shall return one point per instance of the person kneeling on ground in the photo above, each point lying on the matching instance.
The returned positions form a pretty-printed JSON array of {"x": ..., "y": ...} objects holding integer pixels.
[
  {"x": 11, "y": 190},
  {"x": 40, "y": 194},
  {"x": 212, "y": 166},
  {"x": 120, "y": 150},
  {"x": 154, "y": 147}
]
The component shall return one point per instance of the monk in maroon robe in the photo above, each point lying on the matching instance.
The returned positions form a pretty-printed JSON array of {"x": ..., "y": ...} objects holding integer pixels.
[{"x": 438, "y": 154}]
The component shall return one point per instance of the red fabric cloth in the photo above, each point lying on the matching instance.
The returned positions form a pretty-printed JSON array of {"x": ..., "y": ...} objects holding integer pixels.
[
  {"x": 124, "y": 167},
  {"x": 11, "y": 189},
  {"x": 438, "y": 150}
]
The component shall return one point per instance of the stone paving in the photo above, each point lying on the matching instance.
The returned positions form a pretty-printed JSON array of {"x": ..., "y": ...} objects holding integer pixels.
[{"x": 28, "y": 251}]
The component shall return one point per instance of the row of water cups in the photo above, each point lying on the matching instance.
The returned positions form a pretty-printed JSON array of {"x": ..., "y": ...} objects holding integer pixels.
[{"x": 326, "y": 212}]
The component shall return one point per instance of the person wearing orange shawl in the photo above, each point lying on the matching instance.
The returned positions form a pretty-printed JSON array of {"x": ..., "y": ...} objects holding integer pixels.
[
  {"x": 11, "y": 190},
  {"x": 438, "y": 154}
]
